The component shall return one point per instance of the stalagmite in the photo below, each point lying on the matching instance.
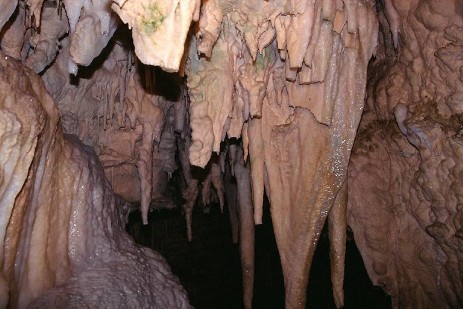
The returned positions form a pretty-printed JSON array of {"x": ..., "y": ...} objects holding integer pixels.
[{"x": 64, "y": 243}]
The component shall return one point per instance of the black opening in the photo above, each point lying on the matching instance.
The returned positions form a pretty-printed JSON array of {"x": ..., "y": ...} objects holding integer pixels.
[{"x": 210, "y": 271}]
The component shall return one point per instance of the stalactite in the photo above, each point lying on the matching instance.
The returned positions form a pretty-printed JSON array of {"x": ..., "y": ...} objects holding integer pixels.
[
  {"x": 246, "y": 226},
  {"x": 281, "y": 100},
  {"x": 161, "y": 27}
]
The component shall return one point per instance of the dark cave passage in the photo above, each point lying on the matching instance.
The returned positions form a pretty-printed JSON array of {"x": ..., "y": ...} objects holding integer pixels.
[{"x": 210, "y": 271}]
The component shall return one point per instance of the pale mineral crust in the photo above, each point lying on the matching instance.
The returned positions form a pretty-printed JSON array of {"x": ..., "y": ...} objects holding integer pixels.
[
  {"x": 159, "y": 28},
  {"x": 63, "y": 237}
]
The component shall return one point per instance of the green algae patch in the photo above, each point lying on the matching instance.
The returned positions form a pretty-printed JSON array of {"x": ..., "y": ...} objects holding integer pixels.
[{"x": 153, "y": 19}]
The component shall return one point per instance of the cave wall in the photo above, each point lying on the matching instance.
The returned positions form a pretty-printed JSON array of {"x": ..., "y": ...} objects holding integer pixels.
[
  {"x": 63, "y": 239},
  {"x": 405, "y": 197}
]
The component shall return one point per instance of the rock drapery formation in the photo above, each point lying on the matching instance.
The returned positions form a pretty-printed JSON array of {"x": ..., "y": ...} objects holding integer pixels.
[
  {"x": 297, "y": 103},
  {"x": 405, "y": 163},
  {"x": 63, "y": 240},
  {"x": 283, "y": 83}
]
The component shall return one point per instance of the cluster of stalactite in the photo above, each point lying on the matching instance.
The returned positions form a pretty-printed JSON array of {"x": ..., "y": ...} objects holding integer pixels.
[
  {"x": 283, "y": 81},
  {"x": 288, "y": 79}
]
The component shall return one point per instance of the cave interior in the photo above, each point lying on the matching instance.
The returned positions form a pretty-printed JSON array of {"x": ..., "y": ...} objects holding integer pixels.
[{"x": 221, "y": 153}]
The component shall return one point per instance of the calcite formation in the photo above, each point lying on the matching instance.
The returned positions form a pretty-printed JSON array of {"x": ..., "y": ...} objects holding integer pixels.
[
  {"x": 159, "y": 26},
  {"x": 273, "y": 98},
  {"x": 404, "y": 178},
  {"x": 63, "y": 240},
  {"x": 293, "y": 77}
]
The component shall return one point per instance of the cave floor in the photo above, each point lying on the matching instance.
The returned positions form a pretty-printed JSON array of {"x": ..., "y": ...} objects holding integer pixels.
[{"x": 209, "y": 266}]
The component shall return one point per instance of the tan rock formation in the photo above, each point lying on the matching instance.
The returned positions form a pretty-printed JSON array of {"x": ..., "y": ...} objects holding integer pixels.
[
  {"x": 404, "y": 179},
  {"x": 159, "y": 28},
  {"x": 302, "y": 113},
  {"x": 63, "y": 229}
]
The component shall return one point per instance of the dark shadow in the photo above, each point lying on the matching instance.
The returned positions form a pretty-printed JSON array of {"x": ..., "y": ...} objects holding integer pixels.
[{"x": 209, "y": 266}]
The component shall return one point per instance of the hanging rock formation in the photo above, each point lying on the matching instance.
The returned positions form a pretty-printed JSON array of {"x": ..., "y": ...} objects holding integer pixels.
[
  {"x": 296, "y": 75},
  {"x": 159, "y": 28},
  {"x": 259, "y": 82}
]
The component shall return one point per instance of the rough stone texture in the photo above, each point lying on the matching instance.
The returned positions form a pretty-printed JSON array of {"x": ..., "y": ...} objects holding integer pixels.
[
  {"x": 288, "y": 76},
  {"x": 130, "y": 124},
  {"x": 62, "y": 225},
  {"x": 405, "y": 175}
]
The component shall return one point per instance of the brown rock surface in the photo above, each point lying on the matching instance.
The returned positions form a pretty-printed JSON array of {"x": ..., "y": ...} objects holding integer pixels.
[
  {"x": 300, "y": 124},
  {"x": 404, "y": 177}
]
